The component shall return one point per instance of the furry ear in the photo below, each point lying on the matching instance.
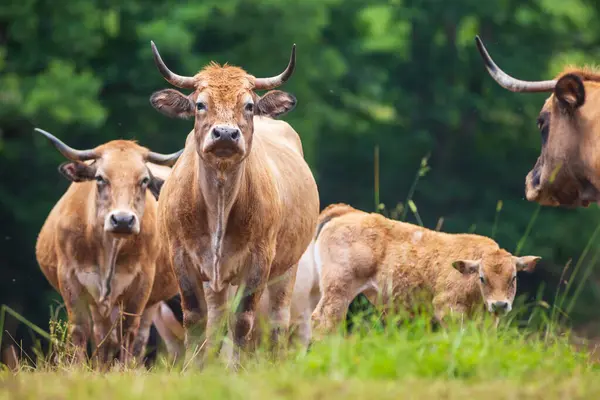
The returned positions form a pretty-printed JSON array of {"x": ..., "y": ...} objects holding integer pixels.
[
  {"x": 76, "y": 171},
  {"x": 173, "y": 103},
  {"x": 570, "y": 92},
  {"x": 526, "y": 263},
  {"x": 155, "y": 186},
  {"x": 466, "y": 267},
  {"x": 275, "y": 103}
]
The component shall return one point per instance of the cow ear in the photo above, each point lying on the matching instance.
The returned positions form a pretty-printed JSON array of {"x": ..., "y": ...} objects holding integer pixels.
[
  {"x": 570, "y": 92},
  {"x": 173, "y": 103},
  {"x": 77, "y": 171},
  {"x": 155, "y": 186},
  {"x": 526, "y": 263},
  {"x": 275, "y": 103},
  {"x": 466, "y": 267}
]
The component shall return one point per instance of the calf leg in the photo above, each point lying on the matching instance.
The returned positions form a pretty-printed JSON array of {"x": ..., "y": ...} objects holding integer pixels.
[{"x": 77, "y": 307}]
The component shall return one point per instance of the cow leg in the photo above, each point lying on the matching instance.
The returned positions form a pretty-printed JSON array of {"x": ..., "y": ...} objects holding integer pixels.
[
  {"x": 77, "y": 307},
  {"x": 216, "y": 304},
  {"x": 144, "y": 331},
  {"x": 105, "y": 340},
  {"x": 169, "y": 329},
  {"x": 132, "y": 344},
  {"x": 193, "y": 303},
  {"x": 243, "y": 319},
  {"x": 280, "y": 298}
]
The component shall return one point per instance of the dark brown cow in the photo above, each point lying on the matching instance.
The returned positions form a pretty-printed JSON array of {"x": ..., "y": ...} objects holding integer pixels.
[
  {"x": 567, "y": 172},
  {"x": 99, "y": 245},
  {"x": 241, "y": 204}
]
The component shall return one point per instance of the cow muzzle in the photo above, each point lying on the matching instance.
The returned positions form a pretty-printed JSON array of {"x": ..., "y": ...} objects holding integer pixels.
[
  {"x": 224, "y": 142},
  {"x": 122, "y": 222},
  {"x": 499, "y": 307}
]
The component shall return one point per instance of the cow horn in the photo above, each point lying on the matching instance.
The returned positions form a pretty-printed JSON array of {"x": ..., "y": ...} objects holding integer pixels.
[
  {"x": 68, "y": 152},
  {"x": 274, "y": 81},
  {"x": 507, "y": 81},
  {"x": 164, "y": 159},
  {"x": 184, "y": 82}
]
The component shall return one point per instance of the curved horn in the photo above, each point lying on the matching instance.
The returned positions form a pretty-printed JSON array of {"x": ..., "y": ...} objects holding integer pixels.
[
  {"x": 184, "y": 82},
  {"x": 69, "y": 152},
  {"x": 274, "y": 81},
  {"x": 507, "y": 81},
  {"x": 164, "y": 159}
]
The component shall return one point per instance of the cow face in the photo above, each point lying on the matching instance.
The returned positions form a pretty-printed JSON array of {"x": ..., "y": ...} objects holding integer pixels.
[
  {"x": 121, "y": 178},
  {"x": 497, "y": 277},
  {"x": 224, "y": 105},
  {"x": 567, "y": 172}
]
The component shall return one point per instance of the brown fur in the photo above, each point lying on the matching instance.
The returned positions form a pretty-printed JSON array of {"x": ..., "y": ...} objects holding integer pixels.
[
  {"x": 244, "y": 218},
  {"x": 567, "y": 172},
  {"x": 392, "y": 262},
  {"x": 73, "y": 242}
]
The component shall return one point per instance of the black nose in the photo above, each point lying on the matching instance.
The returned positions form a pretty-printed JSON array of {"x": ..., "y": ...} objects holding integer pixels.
[
  {"x": 500, "y": 306},
  {"x": 122, "y": 222},
  {"x": 225, "y": 133}
]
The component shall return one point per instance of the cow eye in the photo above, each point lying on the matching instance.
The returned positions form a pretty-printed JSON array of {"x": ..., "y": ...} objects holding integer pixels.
[
  {"x": 145, "y": 181},
  {"x": 100, "y": 180},
  {"x": 481, "y": 279},
  {"x": 249, "y": 107},
  {"x": 201, "y": 106}
]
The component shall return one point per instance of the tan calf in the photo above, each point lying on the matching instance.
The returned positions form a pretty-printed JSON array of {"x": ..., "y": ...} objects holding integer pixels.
[
  {"x": 393, "y": 263},
  {"x": 99, "y": 245}
]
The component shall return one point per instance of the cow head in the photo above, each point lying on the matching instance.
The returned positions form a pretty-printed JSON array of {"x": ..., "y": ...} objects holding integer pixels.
[
  {"x": 122, "y": 179},
  {"x": 566, "y": 172},
  {"x": 497, "y": 275},
  {"x": 223, "y": 103}
]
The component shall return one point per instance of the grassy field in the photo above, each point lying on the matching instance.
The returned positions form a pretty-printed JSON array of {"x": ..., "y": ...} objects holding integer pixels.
[{"x": 407, "y": 362}]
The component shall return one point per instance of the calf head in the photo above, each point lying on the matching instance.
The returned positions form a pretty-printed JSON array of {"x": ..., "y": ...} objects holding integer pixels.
[
  {"x": 567, "y": 172},
  {"x": 122, "y": 178},
  {"x": 497, "y": 277},
  {"x": 223, "y": 103}
]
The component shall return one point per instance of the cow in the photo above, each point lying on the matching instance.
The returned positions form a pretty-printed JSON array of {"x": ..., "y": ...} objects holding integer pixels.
[
  {"x": 241, "y": 203},
  {"x": 99, "y": 245},
  {"x": 393, "y": 263},
  {"x": 567, "y": 172}
]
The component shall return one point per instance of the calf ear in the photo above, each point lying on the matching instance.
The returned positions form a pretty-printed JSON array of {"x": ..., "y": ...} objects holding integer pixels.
[
  {"x": 173, "y": 103},
  {"x": 466, "y": 267},
  {"x": 155, "y": 186},
  {"x": 275, "y": 103},
  {"x": 526, "y": 263},
  {"x": 570, "y": 92},
  {"x": 76, "y": 171}
]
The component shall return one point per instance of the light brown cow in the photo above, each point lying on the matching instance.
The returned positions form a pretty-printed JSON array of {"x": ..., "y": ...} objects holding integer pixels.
[
  {"x": 393, "y": 263},
  {"x": 241, "y": 204},
  {"x": 567, "y": 172},
  {"x": 99, "y": 245}
]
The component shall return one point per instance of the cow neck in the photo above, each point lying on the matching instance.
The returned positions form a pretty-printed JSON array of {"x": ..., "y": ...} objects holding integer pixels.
[
  {"x": 220, "y": 190},
  {"x": 112, "y": 247}
]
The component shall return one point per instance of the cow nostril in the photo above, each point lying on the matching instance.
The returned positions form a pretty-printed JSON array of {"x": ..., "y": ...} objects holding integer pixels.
[
  {"x": 235, "y": 134},
  {"x": 500, "y": 305},
  {"x": 131, "y": 221},
  {"x": 114, "y": 221},
  {"x": 216, "y": 134}
]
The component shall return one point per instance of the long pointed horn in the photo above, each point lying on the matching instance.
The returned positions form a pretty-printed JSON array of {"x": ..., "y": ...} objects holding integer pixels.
[
  {"x": 184, "y": 82},
  {"x": 273, "y": 82},
  {"x": 68, "y": 152},
  {"x": 507, "y": 81},
  {"x": 164, "y": 159}
]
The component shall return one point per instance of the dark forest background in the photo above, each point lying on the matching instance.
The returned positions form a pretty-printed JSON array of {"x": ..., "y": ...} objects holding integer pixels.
[{"x": 403, "y": 75}]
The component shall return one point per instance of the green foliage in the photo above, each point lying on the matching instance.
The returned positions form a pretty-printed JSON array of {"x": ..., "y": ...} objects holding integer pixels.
[{"x": 400, "y": 74}]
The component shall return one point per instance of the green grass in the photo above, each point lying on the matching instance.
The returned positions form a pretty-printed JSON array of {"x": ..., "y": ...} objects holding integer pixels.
[{"x": 411, "y": 361}]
